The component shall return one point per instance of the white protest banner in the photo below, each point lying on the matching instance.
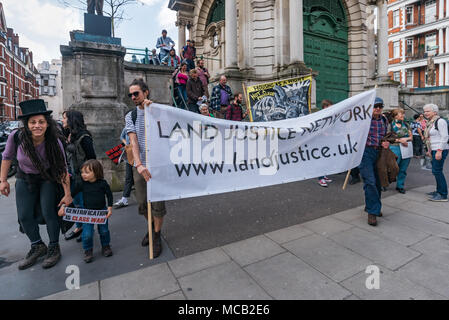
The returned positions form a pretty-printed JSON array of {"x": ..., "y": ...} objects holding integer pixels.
[
  {"x": 191, "y": 155},
  {"x": 85, "y": 215}
]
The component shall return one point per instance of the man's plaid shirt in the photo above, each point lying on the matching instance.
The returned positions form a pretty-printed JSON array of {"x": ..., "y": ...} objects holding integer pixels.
[
  {"x": 378, "y": 130},
  {"x": 215, "y": 98}
]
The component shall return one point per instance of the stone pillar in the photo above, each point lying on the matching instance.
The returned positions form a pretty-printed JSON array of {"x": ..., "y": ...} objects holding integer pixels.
[
  {"x": 447, "y": 38},
  {"x": 382, "y": 40},
  {"x": 296, "y": 32},
  {"x": 440, "y": 41},
  {"x": 93, "y": 81},
  {"x": 231, "y": 35},
  {"x": 447, "y": 8},
  {"x": 404, "y": 48},
  {"x": 404, "y": 17},
  {"x": 441, "y": 74},
  {"x": 441, "y": 10},
  {"x": 181, "y": 35},
  {"x": 446, "y": 81},
  {"x": 403, "y": 76}
]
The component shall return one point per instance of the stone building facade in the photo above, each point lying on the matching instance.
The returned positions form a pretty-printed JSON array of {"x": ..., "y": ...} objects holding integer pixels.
[
  {"x": 261, "y": 40},
  {"x": 50, "y": 88},
  {"x": 17, "y": 72}
]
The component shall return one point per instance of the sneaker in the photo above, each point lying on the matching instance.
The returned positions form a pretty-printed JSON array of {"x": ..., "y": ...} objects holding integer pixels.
[
  {"x": 157, "y": 244},
  {"x": 327, "y": 180},
  {"x": 37, "y": 251},
  {"x": 120, "y": 204},
  {"x": 322, "y": 183},
  {"x": 88, "y": 256},
  {"x": 53, "y": 256},
  {"x": 106, "y": 251},
  {"x": 431, "y": 194},
  {"x": 438, "y": 198},
  {"x": 354, "y": 181},
  {"x": 401, "y": 190}
]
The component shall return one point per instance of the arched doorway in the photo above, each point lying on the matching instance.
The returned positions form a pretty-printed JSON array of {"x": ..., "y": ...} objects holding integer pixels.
[{"x": 326, "y": 48}]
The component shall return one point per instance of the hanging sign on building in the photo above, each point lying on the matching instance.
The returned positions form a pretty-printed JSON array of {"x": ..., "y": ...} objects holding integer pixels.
[{"x": 279, "y": 100}]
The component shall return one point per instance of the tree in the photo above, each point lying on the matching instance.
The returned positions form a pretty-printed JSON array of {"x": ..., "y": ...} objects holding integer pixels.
[{"x": 112, "y": 8}]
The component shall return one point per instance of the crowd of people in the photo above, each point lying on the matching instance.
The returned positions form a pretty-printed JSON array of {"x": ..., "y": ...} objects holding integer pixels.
[{"x": 58, "y": 166}]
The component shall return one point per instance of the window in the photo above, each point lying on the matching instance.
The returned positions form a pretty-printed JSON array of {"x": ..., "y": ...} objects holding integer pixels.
[
  {"x": 396, "y": 21},
  {"x": 397, "y": 76},
  {"x": 431, "y": 42},
  {"x": 396, "y": 49},
  {"x": 409, "y": 15},
  {"x": 431, "y": 11},
  {"x": 409, "y": 47}
]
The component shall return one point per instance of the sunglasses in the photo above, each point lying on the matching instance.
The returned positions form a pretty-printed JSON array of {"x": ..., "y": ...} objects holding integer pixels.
[
  {"x": 135, "y": 94},
  {"x": 379, "y": 106}
]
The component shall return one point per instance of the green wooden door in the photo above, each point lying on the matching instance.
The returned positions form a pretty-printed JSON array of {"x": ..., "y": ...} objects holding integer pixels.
[{"x": 326, "y": 48}]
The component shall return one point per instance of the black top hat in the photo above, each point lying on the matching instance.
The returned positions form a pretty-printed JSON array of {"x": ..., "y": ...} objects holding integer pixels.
[{"x": 33, "y": 108}]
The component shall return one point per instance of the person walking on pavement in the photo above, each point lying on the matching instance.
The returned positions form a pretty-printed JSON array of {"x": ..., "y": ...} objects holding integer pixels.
[
  {"x": 42, "y": 166},
  {"x": 436, "y": 135},
  {"x": 404, "y": 136},
  {"x": 221, "y": 98},
  {"x": 368, "y": 168},
  {"x": 135, "y": 128},
  {"x": 129, "y": 180},
  {"x": 80, "y": 148},
  {"x": 418, "y": 137}
]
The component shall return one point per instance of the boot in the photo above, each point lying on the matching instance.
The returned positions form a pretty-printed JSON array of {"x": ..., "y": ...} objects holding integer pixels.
[
  {"x": 157, "y": 244},
  {"x": 37, "y": 251},
  {"x": 88, "y": 256},
  {"x": 372, "y": 220},
  {"x": 145, "y": 240},
  {"x": 106, "y": 251},
  {"x": 53, "y": 256}
]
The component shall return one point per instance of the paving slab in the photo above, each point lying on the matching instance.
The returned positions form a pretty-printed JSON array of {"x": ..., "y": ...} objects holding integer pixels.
[
  {"x": 198, "y": 261},
  {"x": 416, "y": 196},
  {"x": 435, "y": 247},
  {"x": 420, "y": 223},
  {"x": 425, "y": 189},
  {"x": 178, "y": 295},
  {"x": 350, "y": 214},
  {"x": 328, "y": 257},
  {"x": 327, "y": 226},
  {"x": 429, "y": 209},
  {"x": 224, "y": 282},
  {"x": 391, "y": 287},
  {"x": 87, "y": 292},
  {"x": 252, "y": 250},
  {"x": 393, "y": 231},
  {"x": 375, "y": 248},
  {"x": 428, "y": 272},
  {"x": 394, "y": 201},
  {"x": 146, "y": 284},
  {"x": 288, "y": 234},
  {"x": 286, "y": 277}
]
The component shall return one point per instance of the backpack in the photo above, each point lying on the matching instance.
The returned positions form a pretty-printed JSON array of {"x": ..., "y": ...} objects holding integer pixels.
[
  {"x": 133, "y": 115},
  {"x": 447, "y": 122}
]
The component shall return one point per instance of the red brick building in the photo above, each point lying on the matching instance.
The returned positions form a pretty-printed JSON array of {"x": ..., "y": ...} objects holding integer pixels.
[
  {"x": 418, "y": 29},
  {"x": 17, "y": 72}
]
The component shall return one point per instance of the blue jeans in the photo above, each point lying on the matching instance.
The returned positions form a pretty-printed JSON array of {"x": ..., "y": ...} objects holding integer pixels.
[
  {"x": 78, "y": 201},
  {"x": 403, "y": 165},
  {"x": 88, "y": 235},
  {"x": 183, "y": 92},
  {"x": 371, "y": 183},
  {"x": 437, "y": 170}
]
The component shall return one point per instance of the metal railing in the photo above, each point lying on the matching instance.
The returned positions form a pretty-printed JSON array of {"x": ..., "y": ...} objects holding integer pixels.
[{"x": 139, "y": 52}]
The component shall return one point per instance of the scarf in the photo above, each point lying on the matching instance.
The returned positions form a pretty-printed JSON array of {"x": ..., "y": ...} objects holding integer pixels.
[{"x": 430, "y": 125}]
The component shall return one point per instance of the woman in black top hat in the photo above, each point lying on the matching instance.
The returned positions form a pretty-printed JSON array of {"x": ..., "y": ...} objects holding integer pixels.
[{"x": 42, "y": 166}]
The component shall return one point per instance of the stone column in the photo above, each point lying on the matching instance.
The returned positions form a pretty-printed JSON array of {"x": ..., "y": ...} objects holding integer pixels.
[
  {"x": 404, "y": 48},
  {"x": 231, "y": 35},
  {"x": 447, "y": 38},
  {"x": 441, "y": 10},
  {"x": 441, "y": 74},
  {"x": 440, "y": 41},
  {"x": 446, "y": 82},
  {"x": 181, "y": 35},
  {"x": 296, "y": 32},
  {"x": 447, "y": 8},
  {"x": 404, "y": 17},
  {"x": 382, "y": 40}
]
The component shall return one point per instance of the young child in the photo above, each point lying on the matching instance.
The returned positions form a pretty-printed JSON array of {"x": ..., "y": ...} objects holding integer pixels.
[{"x": 94, "y": 189}]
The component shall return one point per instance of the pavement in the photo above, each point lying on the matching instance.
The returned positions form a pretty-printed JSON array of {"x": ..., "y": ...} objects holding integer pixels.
[{"x": 336, "y": 257}]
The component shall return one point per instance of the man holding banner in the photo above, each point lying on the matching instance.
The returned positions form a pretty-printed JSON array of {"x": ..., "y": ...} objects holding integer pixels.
[
  {"x": 368, "y": 168},
  {"x": 135, "y": 128}
]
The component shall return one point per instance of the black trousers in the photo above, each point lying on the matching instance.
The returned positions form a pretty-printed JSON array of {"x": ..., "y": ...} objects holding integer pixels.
[
  {"x": 93, "y": 5},
  {"x": 129, "y": 181}
]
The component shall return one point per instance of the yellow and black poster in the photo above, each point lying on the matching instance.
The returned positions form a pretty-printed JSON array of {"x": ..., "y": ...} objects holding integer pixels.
[{"x": 280, "y": 100}]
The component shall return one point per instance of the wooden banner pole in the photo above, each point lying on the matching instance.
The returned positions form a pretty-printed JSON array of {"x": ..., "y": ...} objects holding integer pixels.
[
  {"x": 150, "y": 230},
  {"x": 347, "y": 179}
]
